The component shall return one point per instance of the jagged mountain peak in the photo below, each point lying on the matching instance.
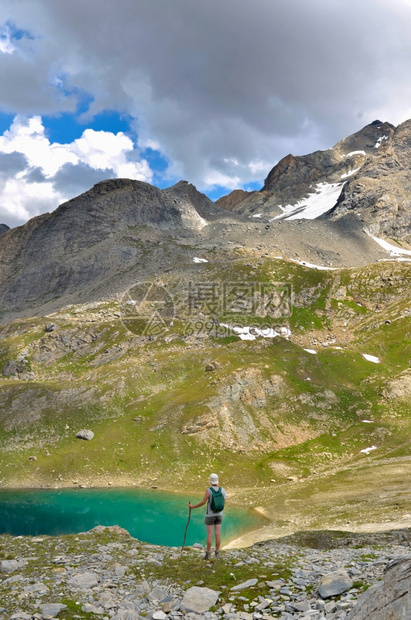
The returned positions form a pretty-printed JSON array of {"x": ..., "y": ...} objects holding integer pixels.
[
  {"x": 368, "y": 174},
  {"x": 380, "y": 192},
  {"x": 368, "y": 139},
  {"x": 4, "y": 228}
]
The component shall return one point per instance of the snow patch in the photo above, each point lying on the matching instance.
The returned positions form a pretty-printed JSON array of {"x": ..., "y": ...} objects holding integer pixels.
[
  {"x": 257, "y": 215},
  {"x": 380, "y": 141},
  {"x": 350, "y": 173},
  {"x": 199, "y": 260},
  {"x": 311, "y": 351},
  {"x": 305, "y": 264},
  {"x": 368, "y": 450},
  {"x": 320, "y": 201},
  {"x": 371, "y": 358},
  {"x": 353, "y": 153},
  {"x": 368, "y": 421},
  {"x": 394, "y": 250}
]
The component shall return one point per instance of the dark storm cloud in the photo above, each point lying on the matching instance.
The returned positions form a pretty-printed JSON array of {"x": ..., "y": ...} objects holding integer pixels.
[
  {"x": 224, "y": 88},
  {"x": 73, "y": 179},
  {"x": 12, "y": 163},
  {"x": 35, "y": 175}
]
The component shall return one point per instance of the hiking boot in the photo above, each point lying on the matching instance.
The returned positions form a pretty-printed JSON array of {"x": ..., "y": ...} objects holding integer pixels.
[
  {"x": 207, "y": 555},
  {"x": 217, "y": 555}
]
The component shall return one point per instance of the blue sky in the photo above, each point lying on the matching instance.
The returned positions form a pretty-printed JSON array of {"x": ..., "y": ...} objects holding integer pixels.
[{"x": 214, "y": 93}]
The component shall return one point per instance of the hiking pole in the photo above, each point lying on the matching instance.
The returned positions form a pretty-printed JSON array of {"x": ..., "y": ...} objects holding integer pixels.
[{"x": 185, "y": 533}]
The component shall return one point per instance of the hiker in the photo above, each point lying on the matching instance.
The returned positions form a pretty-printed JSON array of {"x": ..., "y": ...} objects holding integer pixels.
[{"x": 213, "y": 518}]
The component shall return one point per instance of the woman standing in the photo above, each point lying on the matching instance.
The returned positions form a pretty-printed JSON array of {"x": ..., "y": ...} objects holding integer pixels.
[{"x": 215, "y": 499}]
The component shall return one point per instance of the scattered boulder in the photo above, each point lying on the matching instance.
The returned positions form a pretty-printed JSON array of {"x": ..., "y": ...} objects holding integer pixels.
[
  {"x": 36, "y": 588},
  {"x": 50, "y": 327},
  {"x": 157, "y": 595},
  {"x": 85, "y": 434},
  {"x": 84, "y": 580},
  {"x": 199, "y": 600},
  {"x": 246, "y": 584},
  {"x": 9, "y": 566},
  {"x": 52, "y": 609},
  {"x": 334, "y": 583},
  {"x": 10, "y": 369},
  {"x": 390, "y": 598}
]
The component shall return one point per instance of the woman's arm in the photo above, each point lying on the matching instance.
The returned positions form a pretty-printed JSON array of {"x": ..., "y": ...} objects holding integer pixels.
[{"x": 203, "y": 501}]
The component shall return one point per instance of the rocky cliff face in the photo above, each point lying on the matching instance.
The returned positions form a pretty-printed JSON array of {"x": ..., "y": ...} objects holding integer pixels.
[
  {"x": 368, "y": 174},
  {"x": 380, "y": 192},
  {"x": 89, "y": 240}
]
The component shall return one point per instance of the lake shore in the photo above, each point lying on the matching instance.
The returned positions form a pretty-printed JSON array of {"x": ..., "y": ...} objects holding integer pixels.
[{"x": 283, "y": 511}]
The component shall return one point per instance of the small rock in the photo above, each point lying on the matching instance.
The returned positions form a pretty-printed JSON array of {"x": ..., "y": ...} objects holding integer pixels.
[
  {"x": 84, "y": 580},
  {"x": 50, "y": 327},
  {"x": 302, "y": 606},
  {"x": 246, "y": 584},
  {"x": 85, "y": 434},
  {"x": 36, "y": 588},
  {"x": 120, "y": 571},
  {"x": 157, "y": 595},
  {"x": 88, "y": 608},
  {"x": 51, "y": 609}
]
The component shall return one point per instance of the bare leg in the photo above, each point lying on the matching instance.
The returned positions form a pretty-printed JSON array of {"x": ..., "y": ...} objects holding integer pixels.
[
  {"x": 217, "y": 531},
  {"x": 209, "y": 536}
]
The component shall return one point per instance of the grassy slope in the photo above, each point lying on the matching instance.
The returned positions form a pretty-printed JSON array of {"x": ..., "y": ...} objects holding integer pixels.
[{"x": 311, "y": 430}]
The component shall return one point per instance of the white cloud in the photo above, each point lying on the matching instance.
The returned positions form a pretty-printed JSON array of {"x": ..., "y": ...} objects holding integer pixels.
[
  {"x": 6, "y": 46},
  {"x": 94, "y": 156},
  {"x": 223, "y": 89}
]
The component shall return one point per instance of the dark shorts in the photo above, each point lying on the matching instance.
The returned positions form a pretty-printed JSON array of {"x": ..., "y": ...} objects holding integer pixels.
[{"x": 214, "y": 520}]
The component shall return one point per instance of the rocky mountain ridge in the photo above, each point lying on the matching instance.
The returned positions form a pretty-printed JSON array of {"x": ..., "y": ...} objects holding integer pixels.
[
  {"x": 368, "y": 173},
  {"x": 97, "y": 243}
]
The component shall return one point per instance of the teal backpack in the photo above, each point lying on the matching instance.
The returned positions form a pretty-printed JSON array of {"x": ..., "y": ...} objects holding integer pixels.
[{"x": 216, "y": 500}]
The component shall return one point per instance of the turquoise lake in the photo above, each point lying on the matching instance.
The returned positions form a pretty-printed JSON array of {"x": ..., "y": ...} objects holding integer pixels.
[{"x": 151, "y": 516}]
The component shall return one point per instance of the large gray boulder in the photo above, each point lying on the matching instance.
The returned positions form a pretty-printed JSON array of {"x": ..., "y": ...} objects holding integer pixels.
[
  {"x": 8, "y": 566},
  {"x": 52, "y": 609},
  {"x": 84, "y": 580},
  {"x": 199, "y": 600},
  {"x": 390, "y": 599},
  {"x": 334, "y": 583}
]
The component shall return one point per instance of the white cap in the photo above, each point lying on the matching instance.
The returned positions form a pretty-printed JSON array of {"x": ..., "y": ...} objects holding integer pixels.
[{"x": 213, "y": 479}]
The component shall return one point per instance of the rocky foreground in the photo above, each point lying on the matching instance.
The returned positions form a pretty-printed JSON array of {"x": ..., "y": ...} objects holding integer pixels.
[{"x": 107, "y": 574}]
